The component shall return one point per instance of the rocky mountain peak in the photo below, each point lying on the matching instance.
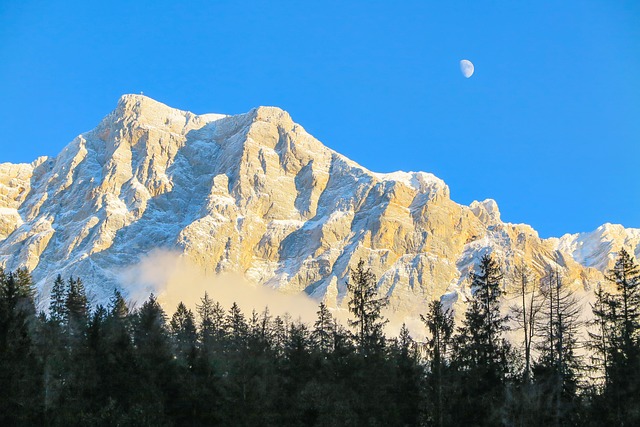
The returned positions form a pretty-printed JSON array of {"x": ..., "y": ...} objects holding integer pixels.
[{"x": 256, "y": 194}]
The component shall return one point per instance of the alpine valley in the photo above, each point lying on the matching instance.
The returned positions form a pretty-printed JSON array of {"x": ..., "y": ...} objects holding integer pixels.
[{"x": 255, "y": 194}]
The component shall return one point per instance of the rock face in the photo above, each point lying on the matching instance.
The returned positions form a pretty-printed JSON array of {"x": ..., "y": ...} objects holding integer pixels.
[{"x": 256, "y": 194}]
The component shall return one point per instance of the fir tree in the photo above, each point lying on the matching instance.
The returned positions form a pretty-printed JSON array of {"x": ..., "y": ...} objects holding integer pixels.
[
  {"x": 58, "y": 300},
  {"x": 439, "y": 323},
  {"x": 481, "y": 354},
  {"x": 20, "y": 370},
  {"x": 118, "y": 306},
  {"x": 236, "y": 325},
  {"x": 118, "y": 367},
  {"x": 323, "y": 328},
  {"x": 76, "y": 308},
  {"x": 211, "y": 318},
  {"x": 366, "y": 307},
  {"x": 616, "y": 340},
  {"x": 409, "y": 373},
  {"x": 183, "y": 329},
  {"x": 155, "y": 360}
]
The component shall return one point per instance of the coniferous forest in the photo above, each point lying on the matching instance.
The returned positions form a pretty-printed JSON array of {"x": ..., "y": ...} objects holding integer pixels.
[{"x": 113, "y": 365}]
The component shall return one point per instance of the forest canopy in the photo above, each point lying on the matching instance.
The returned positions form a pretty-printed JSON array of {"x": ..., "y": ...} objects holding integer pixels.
[{"x": 212, "y": 365}]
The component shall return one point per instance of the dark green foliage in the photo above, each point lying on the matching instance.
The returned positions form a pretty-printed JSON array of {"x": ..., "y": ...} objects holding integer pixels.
[
  {"x": 408, "y": 384},
  {"x": 76, "y": 308},
  {"x": 481, "y": 353},
  {"x": 439, "y": 323},
  {"x": 116, "y": 366},
  {"x": 323, "y": 329},
  {"x": 118, "y": 306},
  {"x": 20, "y": 368},
  {"x": 58, "y": 301},
  {"x": 183, "y": 329},
  {"x": 211, "y": 315},
  {"x": 366, "y": 307},
  {"x": 615, "y": 339}
]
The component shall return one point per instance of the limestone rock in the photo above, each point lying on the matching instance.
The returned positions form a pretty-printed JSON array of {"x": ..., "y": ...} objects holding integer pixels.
[{"x": 256, "y": 194}]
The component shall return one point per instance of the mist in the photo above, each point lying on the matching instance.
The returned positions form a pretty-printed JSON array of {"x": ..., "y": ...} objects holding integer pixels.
[{"x": 174, "y": 279}]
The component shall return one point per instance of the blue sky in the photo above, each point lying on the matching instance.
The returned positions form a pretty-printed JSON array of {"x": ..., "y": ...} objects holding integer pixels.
[{"x": 548, "y": 126}]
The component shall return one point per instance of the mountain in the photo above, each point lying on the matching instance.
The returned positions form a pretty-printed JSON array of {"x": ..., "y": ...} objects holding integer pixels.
[{"x": 256, "y": 194}]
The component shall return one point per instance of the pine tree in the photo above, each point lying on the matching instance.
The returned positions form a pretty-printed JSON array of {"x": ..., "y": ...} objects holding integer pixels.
[
  {"x": 236, "y": 326},
  {"x": 365, "y": 305},
  {"x": 20, "y": 370},
  {"x": 481, "y": 354},
  {"x": 439, "y": 323},
  {"x": 616, "y": 340},
  {"x": 76, "y": 308},
  {"x": 211, "y": 317},
  {"x": 118, "y": 367},
  {"x": 118, "y": 306},
  {"x": 185, "y": 335},
  {"x": 323, "y": 328},
  {"x": 408, "y": 379},
  {"x": 58, "y": 300},
  {"x": 297, "y": 356},
  {"x": 278, "y": 335},
  {"x": 156, "y": 363},
  {"x": 54, "y": 344}
]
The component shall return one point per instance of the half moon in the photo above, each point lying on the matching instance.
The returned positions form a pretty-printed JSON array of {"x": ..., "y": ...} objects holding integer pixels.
[{"x": 466, "y": 67}]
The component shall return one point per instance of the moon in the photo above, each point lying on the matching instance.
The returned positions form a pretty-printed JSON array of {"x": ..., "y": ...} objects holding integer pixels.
[{"x": 466, "y": 67}]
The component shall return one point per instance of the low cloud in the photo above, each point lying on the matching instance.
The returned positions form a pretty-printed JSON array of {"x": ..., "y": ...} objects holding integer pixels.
[{"x": 174, "y": 279}]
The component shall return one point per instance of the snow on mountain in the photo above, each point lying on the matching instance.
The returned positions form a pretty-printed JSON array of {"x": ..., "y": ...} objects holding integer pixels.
[
  {"x": 256, "y": 194},
  {"x": 599, "y": 248}
]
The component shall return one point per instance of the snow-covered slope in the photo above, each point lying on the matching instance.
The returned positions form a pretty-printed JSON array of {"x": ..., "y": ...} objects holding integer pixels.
[
  {"x": 256, "y": 194},
  {"x": 598, "y": 248}
]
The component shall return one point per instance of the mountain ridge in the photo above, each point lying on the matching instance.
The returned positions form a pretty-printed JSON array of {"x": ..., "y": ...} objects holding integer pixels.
[{"x": 255, "y": 193}]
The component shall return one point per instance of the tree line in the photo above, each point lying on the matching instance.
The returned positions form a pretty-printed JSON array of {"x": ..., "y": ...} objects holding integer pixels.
[{"x": 118, "y": 366}]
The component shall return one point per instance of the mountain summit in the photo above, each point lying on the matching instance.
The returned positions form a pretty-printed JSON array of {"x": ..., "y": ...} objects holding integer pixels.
[{"x": 256, "y": 194}]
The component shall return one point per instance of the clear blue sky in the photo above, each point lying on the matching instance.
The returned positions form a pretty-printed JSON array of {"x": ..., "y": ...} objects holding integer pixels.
[{"x": 549, "y": 124}]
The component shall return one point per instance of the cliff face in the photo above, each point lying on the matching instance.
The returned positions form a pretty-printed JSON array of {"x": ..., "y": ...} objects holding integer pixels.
[{"x": 256, "y": 194}]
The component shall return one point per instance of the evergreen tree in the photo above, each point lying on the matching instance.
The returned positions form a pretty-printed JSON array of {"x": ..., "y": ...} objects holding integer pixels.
[
  {"x": 616, "y": 341},
  {"x": 155, "y": 361},
  {"x": 183, "y": 329},
  {"x": 20, "y": 370},
  {"x": 366, "y": 307},
  {"x": 409, "y": 373},
  {"x": 236, "y": 326},
  {"x": 278, "y": 336},
  {"x": 295, "y": 373},
  {"x": 54, "y": 349},
  {"x": 439, "y": 323},
  {"x": 118, "y": 306},
  {"x": 118, "y": 367},
  {"x": 57, "y": 304},
  {"x": 237, "y": 365},
  {"x": 481, "y": 354},
  {"x": 212, "y": 325},
  {"x": 323, "y": 328},
  {"x": 76, "y": 308}
]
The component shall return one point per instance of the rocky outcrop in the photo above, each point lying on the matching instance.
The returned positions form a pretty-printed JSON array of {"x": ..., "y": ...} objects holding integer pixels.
[{"x": 256, "y": 194}]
